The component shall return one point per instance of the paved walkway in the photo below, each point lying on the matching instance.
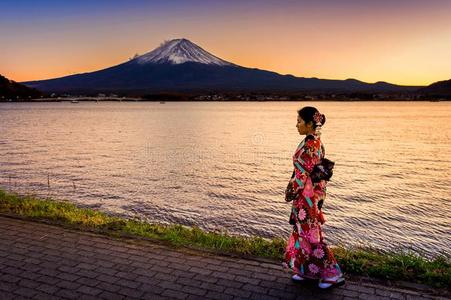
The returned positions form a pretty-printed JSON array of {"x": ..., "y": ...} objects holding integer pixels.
[{"x": 41, "y": 261}]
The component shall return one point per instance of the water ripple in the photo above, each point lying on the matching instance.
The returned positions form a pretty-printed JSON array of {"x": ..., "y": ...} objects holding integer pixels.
[{"x": 224, "y": 166}]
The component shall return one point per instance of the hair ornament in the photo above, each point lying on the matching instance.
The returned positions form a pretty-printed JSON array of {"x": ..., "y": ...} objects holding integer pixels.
[{"x": 318, "y": 118}]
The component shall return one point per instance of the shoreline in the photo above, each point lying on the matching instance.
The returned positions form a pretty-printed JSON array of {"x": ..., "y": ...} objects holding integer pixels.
[
  {"x": 74, "y": 264},
  {"x": 402, "y": 266}
]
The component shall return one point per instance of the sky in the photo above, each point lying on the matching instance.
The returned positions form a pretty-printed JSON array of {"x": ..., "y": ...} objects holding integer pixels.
[{"x": 405, "y": 42}]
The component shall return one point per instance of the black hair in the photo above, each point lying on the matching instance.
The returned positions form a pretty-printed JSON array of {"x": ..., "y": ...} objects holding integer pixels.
[{"x": 306, "y": 113}]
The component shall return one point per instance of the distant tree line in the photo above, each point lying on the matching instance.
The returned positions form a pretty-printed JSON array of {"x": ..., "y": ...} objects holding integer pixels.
[
  {"x": 12, "y": 90},
  {"x": 167, "y": 97}
]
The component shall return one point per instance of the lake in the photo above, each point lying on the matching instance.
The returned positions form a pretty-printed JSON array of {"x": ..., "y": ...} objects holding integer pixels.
[{"x": 225, "y": 165}]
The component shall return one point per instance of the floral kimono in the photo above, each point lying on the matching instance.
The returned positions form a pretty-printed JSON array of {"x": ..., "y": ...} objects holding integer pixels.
[{"x": 306, "y": 253}]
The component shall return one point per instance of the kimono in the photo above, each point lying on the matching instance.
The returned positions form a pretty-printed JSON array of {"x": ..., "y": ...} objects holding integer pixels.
[{"x": 307, "y": 254}]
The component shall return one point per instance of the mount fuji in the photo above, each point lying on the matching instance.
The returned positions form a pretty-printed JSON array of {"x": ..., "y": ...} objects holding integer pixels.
[
  {"x": 180, "y": 51},
  {"x": 181, "y": 66}
]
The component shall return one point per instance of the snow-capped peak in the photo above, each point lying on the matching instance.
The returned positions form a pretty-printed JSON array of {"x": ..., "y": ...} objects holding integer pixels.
[{"x": 179, "y": 51}]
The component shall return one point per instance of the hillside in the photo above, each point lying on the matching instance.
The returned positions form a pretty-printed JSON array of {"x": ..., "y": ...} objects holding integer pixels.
[{"x": 12, "y": 90}]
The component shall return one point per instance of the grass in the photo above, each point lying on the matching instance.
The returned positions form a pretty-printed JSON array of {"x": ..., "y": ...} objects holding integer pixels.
[{"x": 405, "y": 266}]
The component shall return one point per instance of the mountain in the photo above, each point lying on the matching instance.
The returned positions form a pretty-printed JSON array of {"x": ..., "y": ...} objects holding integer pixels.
[
  {"x": 182, "y": 66},
  {"x": 10, "y": 89},
  {"x": 180, "y": 51},
  {"x": 439, "y": 88}
]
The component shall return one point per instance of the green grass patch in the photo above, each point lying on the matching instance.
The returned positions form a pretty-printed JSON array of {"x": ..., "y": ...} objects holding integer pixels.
[{"x": 401, "y": 265}]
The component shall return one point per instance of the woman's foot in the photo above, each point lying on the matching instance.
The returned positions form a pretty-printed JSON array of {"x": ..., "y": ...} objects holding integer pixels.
[
  {"x": 326, "y": 283},
  {"x": 297, "y": 277}
]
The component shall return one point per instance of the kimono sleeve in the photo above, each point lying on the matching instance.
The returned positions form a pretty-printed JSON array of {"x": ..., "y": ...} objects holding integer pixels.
[{"x": 308, "y": 157}]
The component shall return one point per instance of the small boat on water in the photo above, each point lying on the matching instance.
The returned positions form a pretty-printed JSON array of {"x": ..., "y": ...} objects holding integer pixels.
[{"x": 74, "y": 101}]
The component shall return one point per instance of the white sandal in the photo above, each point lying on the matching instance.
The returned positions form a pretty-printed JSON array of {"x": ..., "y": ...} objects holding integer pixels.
[
  {"x": 296, "y": 277},
  {"x": 326, "y": 283}
]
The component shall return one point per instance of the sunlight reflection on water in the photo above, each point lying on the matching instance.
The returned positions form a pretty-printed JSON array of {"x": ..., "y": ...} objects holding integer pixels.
[{"x": 225, "y": 165}]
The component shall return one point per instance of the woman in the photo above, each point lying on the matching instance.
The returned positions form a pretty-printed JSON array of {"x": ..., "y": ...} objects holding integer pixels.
[{"x": 307, "y": 254}]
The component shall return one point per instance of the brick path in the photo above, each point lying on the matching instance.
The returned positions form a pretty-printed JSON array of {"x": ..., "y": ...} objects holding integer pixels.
[{"x": 41, "y": 261}]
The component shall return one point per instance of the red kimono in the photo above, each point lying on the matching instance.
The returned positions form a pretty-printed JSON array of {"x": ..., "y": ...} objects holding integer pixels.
[{"x": 307, "y": 254}]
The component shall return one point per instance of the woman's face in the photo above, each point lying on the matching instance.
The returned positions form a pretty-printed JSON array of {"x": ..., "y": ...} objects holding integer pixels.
[{"x": 303, "y": 128}]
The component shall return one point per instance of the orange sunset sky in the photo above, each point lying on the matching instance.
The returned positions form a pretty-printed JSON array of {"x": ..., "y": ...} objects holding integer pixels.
[{"x": 402, "y": 42}]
